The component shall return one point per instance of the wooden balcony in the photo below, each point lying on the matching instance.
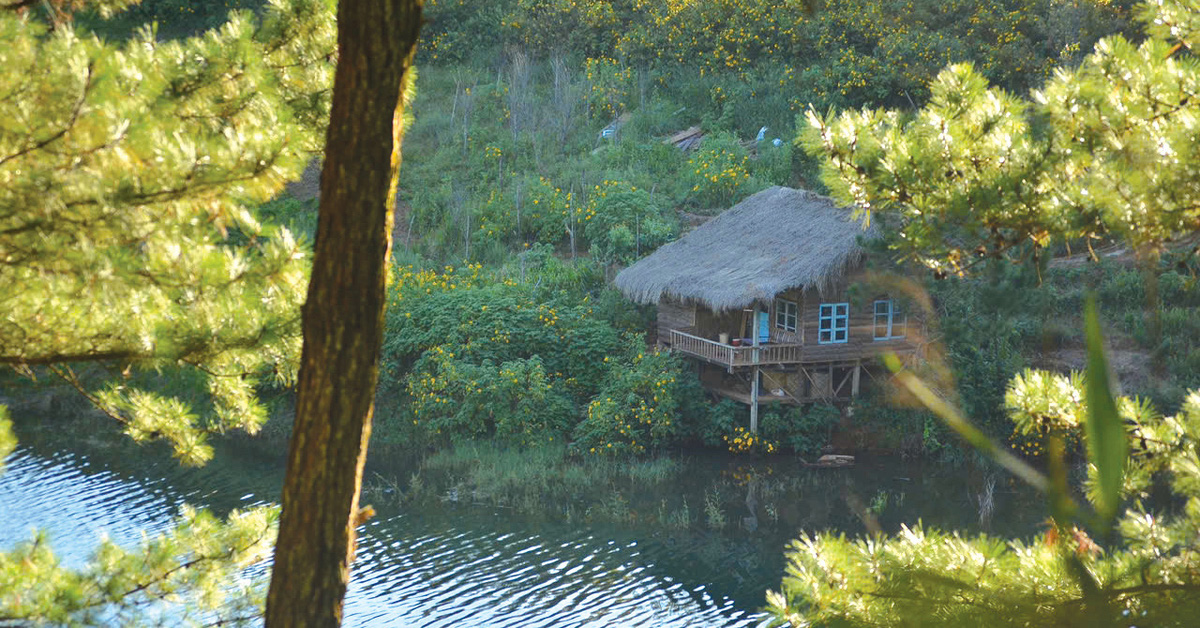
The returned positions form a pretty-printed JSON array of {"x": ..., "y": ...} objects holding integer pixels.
[{"x": 730, "y": 356}]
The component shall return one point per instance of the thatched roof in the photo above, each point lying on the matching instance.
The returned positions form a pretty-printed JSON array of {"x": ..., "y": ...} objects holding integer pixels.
[{"x": 775, "y": 240}]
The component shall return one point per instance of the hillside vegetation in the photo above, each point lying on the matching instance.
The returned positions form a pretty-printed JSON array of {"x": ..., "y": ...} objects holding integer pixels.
[
  {"x": 554, "y": 142},
  {"x": 518, "y": 206}
]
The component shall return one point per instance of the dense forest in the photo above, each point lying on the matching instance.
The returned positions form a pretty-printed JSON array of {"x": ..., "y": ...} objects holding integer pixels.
[{"x": 1030, "y": 163}]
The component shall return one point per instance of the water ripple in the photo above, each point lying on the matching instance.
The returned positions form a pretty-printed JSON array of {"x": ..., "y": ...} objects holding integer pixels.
[
  {"x": 419, "y": 578},
  {"x": 413, "y": 569}
]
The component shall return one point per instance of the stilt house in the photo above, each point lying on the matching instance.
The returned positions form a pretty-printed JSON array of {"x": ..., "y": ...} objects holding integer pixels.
[{"x": 761, "y": 297}]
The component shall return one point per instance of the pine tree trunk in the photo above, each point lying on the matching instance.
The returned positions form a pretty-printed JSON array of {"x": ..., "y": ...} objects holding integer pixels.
[{"x": 343, "y": 316}]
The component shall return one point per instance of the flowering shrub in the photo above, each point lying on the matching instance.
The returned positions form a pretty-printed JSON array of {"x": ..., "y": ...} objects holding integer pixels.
[
  {"x": 857, "y": 51},
  {"x": 609, "y": 87},
  {"x": 460, "y": 28},
  {"x": 637, "y": 407},
  {"x": 744, "y": 442},
  {"x": 719, "y": 172},
  {"x": 1044, "y": 405},
  {"x": 477, "y": 355},
  {"x": 548, "y": 212},
  {"x": 543, "y": 214}
]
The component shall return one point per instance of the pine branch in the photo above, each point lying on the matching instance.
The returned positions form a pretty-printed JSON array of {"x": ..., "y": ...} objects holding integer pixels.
[{"x": 76, "y": 110}]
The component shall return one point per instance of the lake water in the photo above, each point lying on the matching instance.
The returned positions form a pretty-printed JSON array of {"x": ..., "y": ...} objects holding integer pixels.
[{"x": 449, "y": 563}]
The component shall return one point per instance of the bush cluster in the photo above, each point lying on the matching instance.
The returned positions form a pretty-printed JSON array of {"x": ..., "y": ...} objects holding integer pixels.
[
  {"x": 861, "y": 52},
  {"x": 522, "y": 360}
]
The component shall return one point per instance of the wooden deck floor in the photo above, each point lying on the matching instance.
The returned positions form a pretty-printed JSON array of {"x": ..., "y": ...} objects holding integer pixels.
[{"x": 743, "y": 396}]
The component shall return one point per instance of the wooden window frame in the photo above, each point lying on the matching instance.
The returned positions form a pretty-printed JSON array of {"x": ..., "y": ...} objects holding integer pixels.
[
  {"x": 829, "y": 315},
  {"x": 888, "y": 320},
  {"x": 782, "y": 315}
]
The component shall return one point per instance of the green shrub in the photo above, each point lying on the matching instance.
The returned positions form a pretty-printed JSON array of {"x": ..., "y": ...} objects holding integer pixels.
[
  {"x": 719, "y": 172},
  {"x": 1123, "y": 288},
  {"x": 624, "y": 223},
  {"x": 637, "y": 407},
  {"x": 1178, "y": 289},
  {"x": 804, "y": 430},
  {"x": 718, "y": 421},
  {"x": 515, "y": 402}
]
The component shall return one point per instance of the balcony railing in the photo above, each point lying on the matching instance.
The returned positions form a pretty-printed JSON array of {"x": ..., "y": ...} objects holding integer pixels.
[{"x": 729, "y": 355}]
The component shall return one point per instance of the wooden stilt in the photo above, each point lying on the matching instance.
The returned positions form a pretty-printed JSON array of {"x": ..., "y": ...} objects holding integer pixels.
[
  {"x": 754, "y": 381},
  {"x": 857, "y": 376},
  {"x": 754, "y": 403}
]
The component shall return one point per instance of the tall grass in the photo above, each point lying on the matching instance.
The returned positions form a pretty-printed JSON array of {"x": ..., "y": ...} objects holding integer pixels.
[{"x": 547, "y": 478}]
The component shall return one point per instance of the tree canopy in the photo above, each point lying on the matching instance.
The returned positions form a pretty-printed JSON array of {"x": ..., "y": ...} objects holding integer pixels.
[
  {"x": 1105, "y": 150},
  {"x": 127, "y": 174}
]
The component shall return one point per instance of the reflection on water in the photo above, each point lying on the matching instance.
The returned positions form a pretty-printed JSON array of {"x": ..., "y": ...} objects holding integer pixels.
[{"x": 454, "y": 564}]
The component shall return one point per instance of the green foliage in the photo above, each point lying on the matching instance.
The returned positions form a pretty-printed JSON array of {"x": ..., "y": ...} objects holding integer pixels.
[
  {"x": 714, "y": 516},
  {"x": 171, "y": 19},
  {"x": 877, "y": 52},
  {"x": 300, "y": 217},
  {"x": 652, "y": 69},
  {"x": 1104, "y": 150},
  {"x": 995, "y": 325},
  {"x": 720, "y": 172},
  {"x": 985, "y": 331},
  {"x": 804, "y": 430},
  {"x": 717, "y": 421},
  {"x": 922, "y": 576},
  {"x": 514, "y": 402},
  {"x": 1040, "y": 403},
  {"x": 928, "y": 574},
  {"x": 625, "y": 224},
  {"x": 525, "y": 361},
  {"x": 609, "y": 87},
  {"x": 973, "y": 159},
  {"x": 460, "y": 29},
  {"x": 775, "y": 165},
  {"x": 191, "y": 576},
  {"x": 127, "y": 174},
  {"x": 907, "y": 431},
  {"x": 496, "y": 319},
  {"x": 1106, "y": 440},
  {"x": 637, "y": 406}
]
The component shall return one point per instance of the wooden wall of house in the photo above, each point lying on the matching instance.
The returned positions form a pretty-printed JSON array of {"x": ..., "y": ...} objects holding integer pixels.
[
  {"x": 674, "y": 314},
  {"x": 860, "y": 342},
  {"x": 711, "y": 324},
  {"x": 706, "y": 322}
]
